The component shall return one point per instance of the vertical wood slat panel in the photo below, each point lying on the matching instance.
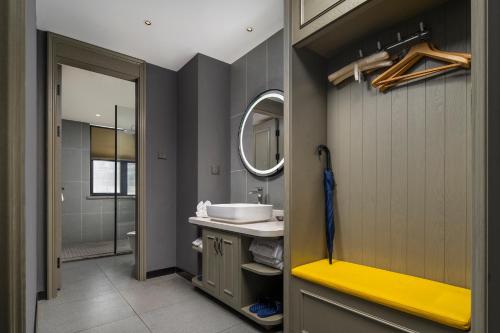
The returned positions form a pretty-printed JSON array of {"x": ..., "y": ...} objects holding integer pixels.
[
  {"x": 399, "y": 179},
  {"x": 402, "y": 164},
  {"x": 343, "y": 178},
  {"x": 434, "y": 178},
  {"x": 369, "y": 174},
  {"x": 356, "y": 171},
  {"x": 415, "y": 251},
  {"x": 383, "y": 224},
  {"x": 455, "y": 155}
]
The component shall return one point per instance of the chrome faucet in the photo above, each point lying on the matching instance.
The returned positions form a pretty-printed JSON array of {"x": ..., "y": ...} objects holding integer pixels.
[{"x": 259, "y": 191}]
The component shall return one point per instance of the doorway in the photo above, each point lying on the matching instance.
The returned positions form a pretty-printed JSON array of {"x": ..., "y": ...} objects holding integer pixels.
[
  {"x": 115, "y": 188},
  {"x": 98, "y": 164}
]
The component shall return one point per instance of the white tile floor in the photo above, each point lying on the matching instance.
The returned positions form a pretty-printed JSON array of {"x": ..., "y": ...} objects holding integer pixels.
[{"x": 100, "y": 295}]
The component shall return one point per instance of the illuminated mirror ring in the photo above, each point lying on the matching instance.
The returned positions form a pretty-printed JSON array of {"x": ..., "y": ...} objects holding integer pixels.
[{"x": 268, "y": 94}]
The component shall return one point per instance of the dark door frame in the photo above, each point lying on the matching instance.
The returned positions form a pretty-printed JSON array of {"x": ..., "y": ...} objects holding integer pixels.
[{"x": 67, "y": 51}]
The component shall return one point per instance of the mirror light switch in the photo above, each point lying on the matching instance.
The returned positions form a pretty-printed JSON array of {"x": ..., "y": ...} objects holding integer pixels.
[{"x": 162, "y": 156}]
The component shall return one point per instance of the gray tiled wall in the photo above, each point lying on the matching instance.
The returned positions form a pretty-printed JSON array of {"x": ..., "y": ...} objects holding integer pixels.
[
  {"x": 87, "y": 219},
  {"x": 258, "y": 70}
]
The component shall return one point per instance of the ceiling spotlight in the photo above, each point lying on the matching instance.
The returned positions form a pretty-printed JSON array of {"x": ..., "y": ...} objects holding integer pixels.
[
  {"x": 98, "y": 115},
  {"x": 249, "y": 29},
  {"x": 148, "y": 22}
]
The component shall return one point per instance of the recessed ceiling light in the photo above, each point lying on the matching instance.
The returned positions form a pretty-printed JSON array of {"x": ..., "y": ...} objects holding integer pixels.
[
  {"x": 98, "y": 115},
  {"x": 148, "y": 22},
  {"x": 249, "y": 29}
]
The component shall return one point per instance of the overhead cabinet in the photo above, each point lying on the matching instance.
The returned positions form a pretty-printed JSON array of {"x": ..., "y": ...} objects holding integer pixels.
[{"x": 326, "y": 25}]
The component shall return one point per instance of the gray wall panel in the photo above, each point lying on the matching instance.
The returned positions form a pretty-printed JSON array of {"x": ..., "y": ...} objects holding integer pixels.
[
  {"x": 162, "y": 106},
  {"x": 258, "y": 70},
  {"x": 187, "y": 161}
]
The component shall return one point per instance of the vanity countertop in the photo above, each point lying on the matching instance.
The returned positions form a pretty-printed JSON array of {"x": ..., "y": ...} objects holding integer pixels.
[{"x": 261, "y": 229}]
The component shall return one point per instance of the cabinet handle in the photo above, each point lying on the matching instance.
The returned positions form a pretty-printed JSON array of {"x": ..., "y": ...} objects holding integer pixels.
[
  {"x": 216, "y": 240},
  {"x": 220, "y": 247}
]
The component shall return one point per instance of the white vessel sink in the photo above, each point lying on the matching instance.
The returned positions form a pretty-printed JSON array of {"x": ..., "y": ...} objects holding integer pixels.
[{"x": 240, "y": 212}]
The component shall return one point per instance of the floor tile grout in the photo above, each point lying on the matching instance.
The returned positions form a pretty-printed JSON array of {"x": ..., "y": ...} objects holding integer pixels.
[{"x": 124, "y": 299}]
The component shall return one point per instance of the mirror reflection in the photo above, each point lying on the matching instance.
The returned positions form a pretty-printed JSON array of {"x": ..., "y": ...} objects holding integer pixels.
[{"x": 261, "y": 137}]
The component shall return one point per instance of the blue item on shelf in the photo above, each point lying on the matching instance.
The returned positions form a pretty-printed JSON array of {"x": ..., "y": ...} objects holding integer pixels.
[{"x": 272, "y": 309}]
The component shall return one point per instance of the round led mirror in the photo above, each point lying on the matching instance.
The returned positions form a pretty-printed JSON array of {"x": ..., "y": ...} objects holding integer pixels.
[{"x": 260, "y": 138}]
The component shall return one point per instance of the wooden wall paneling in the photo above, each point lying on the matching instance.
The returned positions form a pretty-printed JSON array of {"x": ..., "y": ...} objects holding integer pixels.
[
  {"x": 415, "y": 251},
  {"x": 435, "y": 145},
  {"x": 455, "y": 163},
  {"x": 400, "y": 162},
  {"x": 356, "y": 172},
  {"x": 369, "y": 176},
  {"x": 383, "y": 224},
  {"x": 399, "y": 175},
  {"x": 343, "y": 173}
]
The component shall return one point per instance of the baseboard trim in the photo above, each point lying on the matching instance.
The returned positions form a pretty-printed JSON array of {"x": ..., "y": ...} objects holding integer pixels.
[
  {"x": 161, "y": 272},
  {"x": 167, "y": 271}
]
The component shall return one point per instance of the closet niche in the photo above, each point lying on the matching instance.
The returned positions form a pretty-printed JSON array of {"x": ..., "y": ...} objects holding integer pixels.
[{"x": 402, "y": 159}]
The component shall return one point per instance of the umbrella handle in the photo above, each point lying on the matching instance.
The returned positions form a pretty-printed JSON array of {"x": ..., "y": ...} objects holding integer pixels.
[{"x": 321, "y": 149}]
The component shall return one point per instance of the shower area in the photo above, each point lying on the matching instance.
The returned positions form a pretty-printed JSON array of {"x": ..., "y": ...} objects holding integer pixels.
[{"x": 98, "y": 166}]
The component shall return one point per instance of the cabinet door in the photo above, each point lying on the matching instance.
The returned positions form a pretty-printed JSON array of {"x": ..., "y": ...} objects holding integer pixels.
[
  {"x": 229, "y": 269},
  {"x": 309, "y": 16},
  {"x": 211, "y": 262}
]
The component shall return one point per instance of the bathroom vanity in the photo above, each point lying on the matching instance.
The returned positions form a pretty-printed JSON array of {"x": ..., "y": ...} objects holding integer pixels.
[{"x": 228, "y": 271}]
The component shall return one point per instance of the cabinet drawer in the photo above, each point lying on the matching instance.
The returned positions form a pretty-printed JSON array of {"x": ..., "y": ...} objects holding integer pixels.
[
  {"x": 322, "y": 315},
  {"x": 310, "y": 16},
  {"x": 316, "y": 309}
]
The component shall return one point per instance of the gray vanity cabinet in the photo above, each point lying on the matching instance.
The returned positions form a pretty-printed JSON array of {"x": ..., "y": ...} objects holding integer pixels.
[
  {"x": 211, "y": 262},
  {"x": 309, "y": 16},
  {"x": 221, "y": 265}
]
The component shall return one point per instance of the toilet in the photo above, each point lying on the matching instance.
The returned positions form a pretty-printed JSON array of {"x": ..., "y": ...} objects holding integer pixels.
[{"x": 131, "y": 239}]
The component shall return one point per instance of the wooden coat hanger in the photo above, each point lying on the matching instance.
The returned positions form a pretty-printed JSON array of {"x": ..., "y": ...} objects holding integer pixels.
[
  {"x": 415, "y": 54},
  {"x": 376, "y": 60}
]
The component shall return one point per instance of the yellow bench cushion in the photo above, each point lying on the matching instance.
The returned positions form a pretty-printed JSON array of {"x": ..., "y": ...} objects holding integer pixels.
[{"x": 439, "y": 302}]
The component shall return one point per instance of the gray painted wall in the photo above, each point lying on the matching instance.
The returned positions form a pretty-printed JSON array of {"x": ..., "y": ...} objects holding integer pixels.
[
  {"x": 258, "y": 70},
  {"x": 86, "y": 218},
  {"x": 203, "y": 144},
  {"x": 162, "y": 106},
  {"x": 31, "y": 175},
  {"x": 187, "y": 164}
]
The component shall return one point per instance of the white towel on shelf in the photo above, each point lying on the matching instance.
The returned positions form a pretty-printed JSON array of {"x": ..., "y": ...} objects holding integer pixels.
[
  {"x": 198, "y": 243},
  {"x": 270, "y": 248},
  {"x": 201, "y": 208},
  {"x": 275, "y": 263}
]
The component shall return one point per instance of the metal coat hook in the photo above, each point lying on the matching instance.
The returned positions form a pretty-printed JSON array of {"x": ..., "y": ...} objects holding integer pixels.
[{"x": 379, "y": 46}]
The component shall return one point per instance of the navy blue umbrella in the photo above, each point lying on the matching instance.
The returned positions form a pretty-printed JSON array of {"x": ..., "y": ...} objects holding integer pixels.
[{"x": 329, "y": 185}]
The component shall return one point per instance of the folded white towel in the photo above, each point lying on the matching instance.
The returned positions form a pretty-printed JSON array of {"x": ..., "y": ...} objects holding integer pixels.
[
  {"x": 275, "y": 263},
  {"x": 269, "y": 248},
  {"x": 197, "y": 242},
  {"x": 201, "y": 208}
]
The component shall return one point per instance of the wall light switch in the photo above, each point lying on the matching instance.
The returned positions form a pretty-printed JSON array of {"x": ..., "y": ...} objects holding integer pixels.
[
  {"x": 162, "y": 156},
  {"x": 215, "y": 170}
]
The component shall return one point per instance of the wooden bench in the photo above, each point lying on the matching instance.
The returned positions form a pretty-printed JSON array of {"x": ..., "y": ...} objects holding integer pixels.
[{"x": 438, "y": 302}]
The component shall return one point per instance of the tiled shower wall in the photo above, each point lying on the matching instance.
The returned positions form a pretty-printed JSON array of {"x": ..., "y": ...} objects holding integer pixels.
[
  {"x": 258, "y": 70},
  {"x": 86, "y": 219}
]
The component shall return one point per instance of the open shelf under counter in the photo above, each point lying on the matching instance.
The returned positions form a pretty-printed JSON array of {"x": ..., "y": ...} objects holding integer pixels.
[
  {"x": 269, "y": 321},
  {"x": 261, "y": 269}
]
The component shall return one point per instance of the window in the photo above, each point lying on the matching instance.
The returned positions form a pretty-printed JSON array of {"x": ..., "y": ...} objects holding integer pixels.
[
  {"x": 103, "y": 178},
  {"x": 106, "y": 145}
]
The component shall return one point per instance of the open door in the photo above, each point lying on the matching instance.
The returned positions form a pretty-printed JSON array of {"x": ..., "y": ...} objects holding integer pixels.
[{"x": 54, "y": 266}]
